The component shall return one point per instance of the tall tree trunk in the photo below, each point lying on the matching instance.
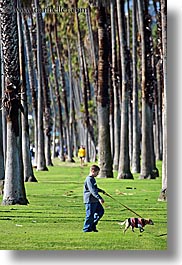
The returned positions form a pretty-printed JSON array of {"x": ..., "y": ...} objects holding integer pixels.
[
  {"x": 130, "y": 87},
  {"x": 83, "y": 84},
  {"x": 93, "y": 50},
  {"x": 31, "y": 49},
  {"x": 27, "y": 165},
  {"x": 95, "y": 79},
  {"x": 68, "y": 144},
  {"x": 146, "y": 152},
  {"x": 1, "y": 127},
  {"x": 136, "y": 131},
  {"x": 3, "y": 117},
  {"x": 104, "y": 151},
  {"x": 53, "y": 152},
  {"x": 124, "y": 160},
  {"x": 41, "y": 161},
  {"x": 71, "y": 110},
  {"x": 159, "y": 76},
  {"x": 58, "y": 100},
  {"x": 14, "y": 190},
  {"x": 47, "y": 101},
  {"x": 68, "y": 132},
  {"x": 117, "y": 117},
  {"x": 163, "y": 195},
  {"x": 159, "y": 83}
]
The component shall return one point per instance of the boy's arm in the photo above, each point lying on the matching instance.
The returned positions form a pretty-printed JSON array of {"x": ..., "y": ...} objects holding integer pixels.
[
  {"x": 92, "y": 186},
  {"x": 100, "y": 190}
]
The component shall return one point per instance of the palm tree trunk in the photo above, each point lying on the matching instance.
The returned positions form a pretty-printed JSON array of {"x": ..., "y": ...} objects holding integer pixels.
[
  {"x": 31, "y": 48},
  {"x": 14, "y": 190},
  {"x": 117, "y": 117},
  {"x": 3, "y": 117},
  {"x": 159, "y": 82},
  {"x": 130, "y": 88},
  {"x": 47, "y": 101},
  {"x": 93, "y": 49},
  {"x": 136, "y": 131},
  {"x": 163, "y": 195},
  {"x": 104, "y": 148},
  {"x": 124, "y": 160},
  {"x": 83, "y": 84},
  {"x": 159, "y": 76},
  {"x": 146, "y": 151},
  {"x": 32, "y": 69},
  {"x": 68, "y": 132},
  {"x": 27, "y": 165},
  {"x": 1, "y": 129},
  {"x": 41, "y": 161},
  {"x": 58, "y": 99},
  {"x": 68, "y": 144},
  {"x": 53, "y": 105},
  {"x": 71, "y": 110}
]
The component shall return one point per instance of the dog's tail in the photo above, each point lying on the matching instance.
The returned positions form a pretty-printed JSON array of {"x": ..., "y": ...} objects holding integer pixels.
[{"x": 122, "y": 223}]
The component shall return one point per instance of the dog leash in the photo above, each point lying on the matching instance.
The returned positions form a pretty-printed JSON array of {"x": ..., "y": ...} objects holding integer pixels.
[{"x": 107, "y": 194}]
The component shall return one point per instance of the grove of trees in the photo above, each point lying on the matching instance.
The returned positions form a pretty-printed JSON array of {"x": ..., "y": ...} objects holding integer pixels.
[{"x": 89, "y": 73}]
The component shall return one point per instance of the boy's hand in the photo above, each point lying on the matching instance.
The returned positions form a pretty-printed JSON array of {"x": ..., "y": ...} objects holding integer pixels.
[
  {"x": 101, "y": 201},
  {"x": 103, "y": 191}
]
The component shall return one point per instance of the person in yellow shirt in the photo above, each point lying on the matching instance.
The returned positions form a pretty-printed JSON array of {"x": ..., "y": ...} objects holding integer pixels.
[{"x": 81, "y": 154}]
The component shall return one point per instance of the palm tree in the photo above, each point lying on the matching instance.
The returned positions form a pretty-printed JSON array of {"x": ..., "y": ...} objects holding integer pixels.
[
  {"x": 92, "y": 46},
  {"x": 1, "y": 133},
  {"x": 27, "y": 165},
  {"x": 3, "y": 114},
  {"x": 46, "y": 99},
  {"x": 159, "y": 82},
  {"x": 14, "y": 190},
  {"x": 147, "y": 150},
  {"x": 71, "y": 140},
  {"x": 136, "y": 130},
  {"x": 83, "y": 83},
  {"x": 163, "y": 195},
  {"x": 124, "y": 160},
  {"x": 68, "y": 126},
  {"x": 31, "y": 48},
  {"x": 58, "y": 98},
  {"x": 41, "y": 161},
  {"x": 67, "y": 123},
  {"x": 104, "y": 145},
  {"x": 117, "y": 117}
]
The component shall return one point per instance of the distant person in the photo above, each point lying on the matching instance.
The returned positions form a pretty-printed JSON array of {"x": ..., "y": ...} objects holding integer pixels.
[
  {"x": 81, "y": 154},
  {"x": 57, "y": 150},
  {"x": 65, "y": 152},
  {"x": 32, "y": 153},
  {"x": 93, "y": 201}
]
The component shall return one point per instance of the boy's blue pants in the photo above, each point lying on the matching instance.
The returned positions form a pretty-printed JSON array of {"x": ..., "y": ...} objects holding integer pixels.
[{"x": 94, "y": 211}]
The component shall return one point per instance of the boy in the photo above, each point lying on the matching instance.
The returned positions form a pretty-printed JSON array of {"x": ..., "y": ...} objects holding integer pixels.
[{"x": 93, "y": 201}]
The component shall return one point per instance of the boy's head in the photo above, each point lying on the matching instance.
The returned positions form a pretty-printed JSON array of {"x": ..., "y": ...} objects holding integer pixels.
[{"x": 94, "y": 170}]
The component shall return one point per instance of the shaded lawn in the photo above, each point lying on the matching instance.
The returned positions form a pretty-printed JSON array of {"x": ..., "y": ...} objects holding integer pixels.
[{"x": 54, "y": 218}]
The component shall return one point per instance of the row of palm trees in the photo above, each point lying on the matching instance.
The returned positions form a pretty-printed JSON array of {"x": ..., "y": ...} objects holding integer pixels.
[{"x": 96, "y": 78}]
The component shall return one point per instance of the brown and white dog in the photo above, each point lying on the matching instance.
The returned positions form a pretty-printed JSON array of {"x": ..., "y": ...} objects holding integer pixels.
[{"x": 136, "y": 223}]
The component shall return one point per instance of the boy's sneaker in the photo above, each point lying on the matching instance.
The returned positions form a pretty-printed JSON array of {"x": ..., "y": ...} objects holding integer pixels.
[{"x": 94, "y": 228}]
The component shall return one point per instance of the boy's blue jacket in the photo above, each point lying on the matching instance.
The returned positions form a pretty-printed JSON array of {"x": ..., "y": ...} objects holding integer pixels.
[{"x": 90, "y": 192}]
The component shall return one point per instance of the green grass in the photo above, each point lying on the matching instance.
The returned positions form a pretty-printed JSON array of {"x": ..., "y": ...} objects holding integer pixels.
[{"x": 54, "y": 218}]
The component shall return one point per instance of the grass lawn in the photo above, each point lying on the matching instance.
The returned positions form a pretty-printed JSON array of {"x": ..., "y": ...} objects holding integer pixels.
[{"x": 54, "y": 218}]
